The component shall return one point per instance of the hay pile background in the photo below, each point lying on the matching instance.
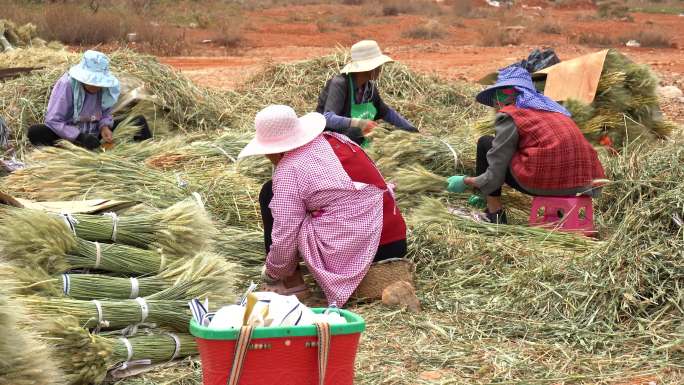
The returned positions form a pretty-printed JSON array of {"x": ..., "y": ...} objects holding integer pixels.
[{"x": 501, "y": 305}]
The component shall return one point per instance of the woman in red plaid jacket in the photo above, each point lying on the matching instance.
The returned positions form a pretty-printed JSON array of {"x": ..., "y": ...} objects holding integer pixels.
[{"x": 538, "y": 149}]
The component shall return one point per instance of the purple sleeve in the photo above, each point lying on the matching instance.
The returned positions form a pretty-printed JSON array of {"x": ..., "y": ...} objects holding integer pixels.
[
  {"x": 392, "y": 117},
  {"x": 106, "y": 120},
  {"x": 336, "y": 122},
  {"x": 60, "y": 110}
]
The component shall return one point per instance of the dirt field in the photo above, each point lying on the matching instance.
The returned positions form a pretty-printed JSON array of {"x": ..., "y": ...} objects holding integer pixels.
[{"x": 302, "y": 32}]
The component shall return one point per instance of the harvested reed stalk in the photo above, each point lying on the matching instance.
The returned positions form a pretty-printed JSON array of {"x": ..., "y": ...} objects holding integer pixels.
[
  {"x": 180, "y": 230},
  {"x": 434, "y": 211},
  {"x": 85, "y": 358},
  {"x": 118, "y": 258},
  {"x": 108, "y": 314},
  {"x": 24, "y": 359}
]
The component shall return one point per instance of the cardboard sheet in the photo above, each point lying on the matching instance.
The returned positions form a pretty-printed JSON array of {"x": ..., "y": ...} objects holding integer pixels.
[{"x": 577, "y": 78}]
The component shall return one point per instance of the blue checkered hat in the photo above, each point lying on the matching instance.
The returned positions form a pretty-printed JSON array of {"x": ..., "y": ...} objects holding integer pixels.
[{"x": 528, "y": 97}]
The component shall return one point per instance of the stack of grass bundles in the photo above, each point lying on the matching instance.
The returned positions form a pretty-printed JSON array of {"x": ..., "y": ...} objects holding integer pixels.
[
  {"x": 24, "y": 359},
  {"x": 85, "y": 358},
  {"x": 626, "y": 105},
  {"x": 52, "y": 247}
]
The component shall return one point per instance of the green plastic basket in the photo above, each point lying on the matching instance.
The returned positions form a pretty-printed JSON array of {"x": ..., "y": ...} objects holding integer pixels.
[{"x": 355, "y": 324}]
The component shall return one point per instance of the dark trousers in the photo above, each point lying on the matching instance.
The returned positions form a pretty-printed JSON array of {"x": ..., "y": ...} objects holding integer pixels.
[
  {"x": 484, "y": 144},
  {"x": 42, "y": 135},
  {"x": 395, "y": 249}
]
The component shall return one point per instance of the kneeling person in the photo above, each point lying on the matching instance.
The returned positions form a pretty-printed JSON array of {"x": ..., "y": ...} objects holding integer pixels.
[{"x": 327, "y": 204}]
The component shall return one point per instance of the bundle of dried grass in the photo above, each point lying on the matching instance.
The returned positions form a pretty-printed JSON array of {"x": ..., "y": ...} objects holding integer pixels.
[
  {"x": 112, "y": 314},
  {"x": 445, "y": 156},
  {"x": 208, "y": 274},
  {"x": 24, "y": 359},
  {"x": 55, "y": 249},
  {"x": 85, "y": 358},
  {"x": 181, "y": 230}
]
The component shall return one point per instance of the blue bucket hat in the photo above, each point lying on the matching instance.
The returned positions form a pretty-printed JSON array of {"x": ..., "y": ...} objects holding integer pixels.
[
  {"x": 518, "y": 77},
  {"x": 93, "y": 70}
]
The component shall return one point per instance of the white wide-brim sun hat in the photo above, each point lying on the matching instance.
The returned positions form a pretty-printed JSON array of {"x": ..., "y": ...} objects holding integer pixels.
[
  {"x": 278, "y": 129},
  {"x": 365, "y": 56},
  {"x": 93, "y": 70}
]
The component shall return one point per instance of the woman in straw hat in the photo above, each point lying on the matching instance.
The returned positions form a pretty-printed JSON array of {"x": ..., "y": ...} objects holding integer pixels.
[
  {"x": 351, "y": 102},
  {"x": 80, "y": 106},
  {"x": 327, "y": 204},
  {"x": 537, "y": 150}
]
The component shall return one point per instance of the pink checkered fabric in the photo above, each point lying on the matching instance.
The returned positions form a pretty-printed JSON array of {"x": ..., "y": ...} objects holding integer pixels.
[{"x": 338, "y": 245}]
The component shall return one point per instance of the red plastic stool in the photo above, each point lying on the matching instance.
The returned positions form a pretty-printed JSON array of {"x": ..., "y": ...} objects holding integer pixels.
[{"x": 571, "y": 214}]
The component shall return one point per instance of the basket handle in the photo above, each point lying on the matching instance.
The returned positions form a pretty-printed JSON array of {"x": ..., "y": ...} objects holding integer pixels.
[{"x": 245, "y": 336}]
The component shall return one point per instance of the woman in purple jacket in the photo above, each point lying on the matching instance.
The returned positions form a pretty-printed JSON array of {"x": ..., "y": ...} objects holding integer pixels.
[{"x": 80, "y": 106}]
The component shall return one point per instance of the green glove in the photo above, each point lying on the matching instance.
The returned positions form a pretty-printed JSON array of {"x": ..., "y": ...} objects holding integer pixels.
[
  {"x": 366, "y": 143},
  {"x": 477, "y": 201},
  {"x": 456, "y": 184}
]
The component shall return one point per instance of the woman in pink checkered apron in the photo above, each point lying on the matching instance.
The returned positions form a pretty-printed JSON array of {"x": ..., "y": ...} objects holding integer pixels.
[{"x": 327, "y": 205}]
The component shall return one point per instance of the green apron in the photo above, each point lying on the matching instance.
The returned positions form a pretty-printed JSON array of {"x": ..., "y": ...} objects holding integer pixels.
[{"x": 366, "y": 111}]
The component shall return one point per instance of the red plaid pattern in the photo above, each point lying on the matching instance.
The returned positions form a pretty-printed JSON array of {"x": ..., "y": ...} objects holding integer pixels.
[
  {"x": 552, "y": 152},
  {"x": 338, "y": 245}
]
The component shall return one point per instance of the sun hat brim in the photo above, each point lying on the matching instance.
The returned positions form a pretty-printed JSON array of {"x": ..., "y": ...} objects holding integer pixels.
[
  {"x": 486, "y": 97},
  {"x": 104, "y": 80},
  {"x": 366, "y": 65},
  {"x": 311, "y": 125}
]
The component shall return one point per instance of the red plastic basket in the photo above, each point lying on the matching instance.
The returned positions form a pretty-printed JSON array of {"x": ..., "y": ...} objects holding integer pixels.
[{"x": 281, "y": 355}]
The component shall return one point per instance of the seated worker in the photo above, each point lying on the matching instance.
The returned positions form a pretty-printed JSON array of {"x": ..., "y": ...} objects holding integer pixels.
[
  {"x": 351, "y": 102},
  {"x": 327, "y": 204},
  {"x": 80, "y": 106},
  {"x": 537, "y": 150}
]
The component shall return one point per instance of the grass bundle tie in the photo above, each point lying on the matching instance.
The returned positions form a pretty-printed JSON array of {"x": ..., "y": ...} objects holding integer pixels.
[{"x": 115, "y": 224}]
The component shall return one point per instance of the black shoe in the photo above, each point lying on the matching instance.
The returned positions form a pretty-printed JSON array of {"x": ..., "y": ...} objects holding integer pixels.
[{"x": 498, "y": 217}]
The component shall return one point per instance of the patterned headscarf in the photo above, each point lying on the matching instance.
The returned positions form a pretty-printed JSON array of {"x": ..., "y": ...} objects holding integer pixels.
[{"x": 528, "y": 96}]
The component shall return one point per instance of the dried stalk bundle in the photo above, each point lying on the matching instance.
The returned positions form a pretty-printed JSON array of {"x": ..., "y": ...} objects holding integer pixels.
[
  {"x": 416, "y": 179},
  {"x": 446, "y": 156},
  {"x": 54, "y": 249},
  {"x": 24, "y": 359},
  {"x": 111, "y": 314},
  {"x": 180, "y": 230},
  {"x": 85, "y": 358},
  {"x": 205, "y": 275}
]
